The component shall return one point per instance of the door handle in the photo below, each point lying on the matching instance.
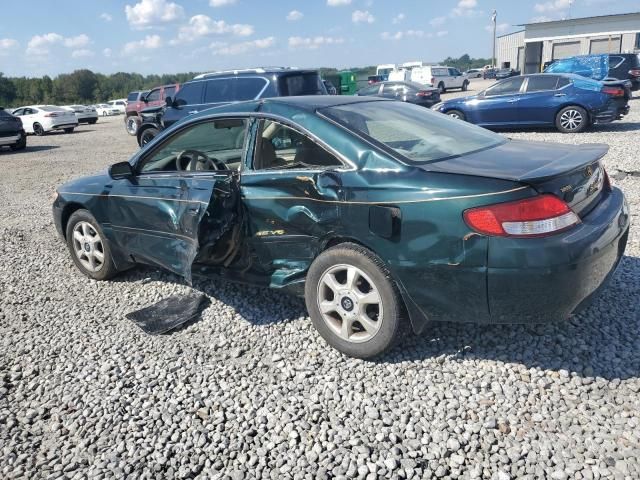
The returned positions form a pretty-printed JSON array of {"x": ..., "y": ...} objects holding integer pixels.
[
  {"x": 513, "y": 100},
  {"x": 192, "y": 112},
  {"x": 560, "y": 95}
]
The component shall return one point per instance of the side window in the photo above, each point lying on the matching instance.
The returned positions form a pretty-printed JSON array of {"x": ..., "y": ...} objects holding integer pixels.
[
  {"x": 248, "y": 88},
  {"x": 19, "y": 112},
  {"x": 506, "y": 87},
  {"x": 539, "y": 83},
  {"x": 190, "y": 94},
  {"x": 169, "y": 92},
  {"x": 154, "y": 95},
  {"x": 615, "y": 61},
  {"x": 453, "y": 72},
  {"x": 218, "y": 91},
  {"x": 200, "y": 147},
  {"x": 120, "y": 102},
  {"x": 281, "y": 147},
  {"x": 563, "y": 82}
]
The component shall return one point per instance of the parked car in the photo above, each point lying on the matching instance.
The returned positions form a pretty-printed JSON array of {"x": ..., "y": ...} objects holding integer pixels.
[
  {"x": 442, "y": 77},
  {"x": 377, "y": 212},
  {"x": 219, "y": 88},
  {"x": 473, "y": 73},
  {"x": 489, "y": 73},
  {"x": 84, "y": 114},
  {"x": 331, "y": 89},
  {"x": 40, "y": 119},
  {"x": 610, "y": 67},
  {"x": 119, "y": 104},
  {"x": 506, "y": 73},
  {"x": 106, "y": 110},
  {"x": 139, "y": 101},
  {"x": 423, "y": 95},
  {"x": 569, "y": 102},
  {"x": 12, "y": 133}
]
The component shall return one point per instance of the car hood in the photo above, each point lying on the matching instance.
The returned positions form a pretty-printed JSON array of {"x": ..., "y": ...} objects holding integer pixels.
[
  {"x": 459, "y": 100},
  {"x": 92, "y": 184},
  {"x": 521, "y": 161}
]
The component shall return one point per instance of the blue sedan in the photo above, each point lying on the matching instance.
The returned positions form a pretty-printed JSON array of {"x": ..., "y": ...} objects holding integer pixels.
[{"x": 569, "y": 102}]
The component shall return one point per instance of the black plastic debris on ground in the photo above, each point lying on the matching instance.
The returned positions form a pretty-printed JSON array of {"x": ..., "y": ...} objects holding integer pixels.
[{"x": 169, "y": 313}]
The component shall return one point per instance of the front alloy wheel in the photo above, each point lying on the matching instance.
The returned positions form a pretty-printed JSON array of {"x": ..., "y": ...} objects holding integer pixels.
[
  {"x": 353, "y": 302},
  {"x": 88, "y": 246}
]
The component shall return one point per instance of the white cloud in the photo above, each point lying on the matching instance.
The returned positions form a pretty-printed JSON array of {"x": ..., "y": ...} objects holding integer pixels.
[
  {"x": 82, "y": 53},
  {"x": 221, "y": 3},
  {"x": 362, "y": 16},
  {"x": 107, "y": 52},
  {"x": 40, "y": 45},
  {"x": 398, "y": 18},
  {"x": 294, "y": 15},
  {"x": 150, "y": 42},
  {"x": 402, "y": 34},
  {"x": 106, "y": 17},
  {"x": 500, "y": 28},
  {"x": 75, "y": 42},
  {"x": 465, "y": 8},
  {"x": 7, "y": 45},
  {"x": 437, "y": 21},
  {"x": 223, "y": 48},
  {"x": 148, "y": 13},
  {"x": 203, "y": 26},
  {"x": 338, "y": 3},
  {"x": 442, "y": 33},
  {"x": 313, "y": 42},
  {"x": 541, "y": 18},
  {"x": 555, "y": 6}
]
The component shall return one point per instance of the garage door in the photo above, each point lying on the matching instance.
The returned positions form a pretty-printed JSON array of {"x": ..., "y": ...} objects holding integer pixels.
[
  {"x": 604, "y": 45},
  {"x": 564, "y": 50}
]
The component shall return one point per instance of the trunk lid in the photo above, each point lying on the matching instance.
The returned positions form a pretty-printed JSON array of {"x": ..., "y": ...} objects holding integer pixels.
[
  {"x": 571, "y": 172},
  {"x": 9, "y": 125}
]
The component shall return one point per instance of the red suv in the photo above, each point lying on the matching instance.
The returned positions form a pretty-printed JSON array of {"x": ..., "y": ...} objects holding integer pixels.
[{"x": 138, "y": 101}]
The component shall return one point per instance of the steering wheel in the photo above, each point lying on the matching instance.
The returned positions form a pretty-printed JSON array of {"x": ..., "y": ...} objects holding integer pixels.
[{"x": 198, "y": 161}]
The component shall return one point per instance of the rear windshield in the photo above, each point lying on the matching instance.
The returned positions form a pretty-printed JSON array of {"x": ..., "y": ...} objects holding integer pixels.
[
  {"x": 50, "y": 108},
  {"x": 301, "y": 84},
  {"x": 133, "y": 96},
  {"x": 4, "y": 114},
  {"x": 416, "y": 133}
]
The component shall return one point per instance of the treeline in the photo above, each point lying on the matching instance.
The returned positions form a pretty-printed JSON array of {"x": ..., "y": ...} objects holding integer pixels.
[
  {"x": 465, "y": 62},
  {"x": 81, "y": 86}
]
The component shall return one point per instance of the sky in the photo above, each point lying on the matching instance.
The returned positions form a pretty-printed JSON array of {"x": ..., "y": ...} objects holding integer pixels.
[{"x": 39, "y": 37}]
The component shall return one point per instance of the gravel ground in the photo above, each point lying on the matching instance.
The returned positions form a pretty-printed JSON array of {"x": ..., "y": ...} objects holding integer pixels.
[{"x": 251, "y": 391}]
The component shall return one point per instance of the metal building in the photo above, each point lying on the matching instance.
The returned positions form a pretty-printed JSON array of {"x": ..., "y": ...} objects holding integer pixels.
[{"x": 527, "y": 50}]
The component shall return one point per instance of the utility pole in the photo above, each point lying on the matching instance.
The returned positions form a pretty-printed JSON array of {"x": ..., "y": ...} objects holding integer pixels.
[{"x": 493, "y": 19}]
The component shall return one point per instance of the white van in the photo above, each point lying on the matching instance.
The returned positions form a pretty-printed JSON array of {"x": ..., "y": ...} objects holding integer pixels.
[
  {"x": 442, "y": 77},
  {"x": 401, "y": 75}
]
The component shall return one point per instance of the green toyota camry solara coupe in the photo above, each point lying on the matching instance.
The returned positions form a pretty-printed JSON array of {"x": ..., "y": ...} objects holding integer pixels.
[{"x": 380, "y": 213}]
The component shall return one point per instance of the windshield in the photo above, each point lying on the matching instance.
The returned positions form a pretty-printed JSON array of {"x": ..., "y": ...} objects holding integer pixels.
[
  {"x": 417, "y": 134},
  {"x": 133, "y": 96},
  {"x": 51, "y": 108}
]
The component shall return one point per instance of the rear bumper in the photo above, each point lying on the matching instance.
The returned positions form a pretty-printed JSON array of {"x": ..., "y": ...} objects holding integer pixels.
[
  {"x": 546, "y": 279},
  {"x": 63, "y": 125},
  {"x": 12, "y": 139},
  {"x": 611, "y": 113}
]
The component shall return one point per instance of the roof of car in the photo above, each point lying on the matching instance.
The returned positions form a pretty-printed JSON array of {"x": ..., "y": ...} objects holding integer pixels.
[{"x": 252, "y": 72}]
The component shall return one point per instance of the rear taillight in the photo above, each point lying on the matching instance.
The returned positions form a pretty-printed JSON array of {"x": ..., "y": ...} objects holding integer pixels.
[
  {"x": 52, "y": 114},
  {"x": 634, "y": 72},
  {"x": 614, "y": 91},
  {"x": 532, "y": 217},
  {"x": 423, "y": 93},
  {"x": 433, "y": 80}
]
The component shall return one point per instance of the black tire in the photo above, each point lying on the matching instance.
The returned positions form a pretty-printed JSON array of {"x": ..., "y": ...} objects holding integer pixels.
[
  {"x": 131, "y": 125},
  {"x": 572, "y": 119},
  {"x": 148, "y": 135},
  {"x": 93, "y": 121},
  {"x": 441, "y": 87},
  {"x": 20, "y": 145},
  {"x": 107, "y": 270},
  {"x": 465, "y": 86},
  {"x": 38, "y": 130},
  {"x": 390, "y": 328},
  {"x": 104, "y": 114},
  {"x": 69, "y": 130},
  {"x": 456, "y": 114}
]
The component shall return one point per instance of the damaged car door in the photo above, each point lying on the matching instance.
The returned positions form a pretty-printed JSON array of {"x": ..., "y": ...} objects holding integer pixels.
[
  {"x": 292, "y": 190},
  {"x": 157, "y": 211}
]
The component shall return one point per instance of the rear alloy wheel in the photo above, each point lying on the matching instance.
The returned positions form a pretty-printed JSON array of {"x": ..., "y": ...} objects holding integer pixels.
[
  {"x": 353, "y": 302},
  {"x": 148, "y": 135},
  {"x": 572, "y": 119},
  {"x": 132, "y": 125},
  {"x": 457, "y": 114},
  {"x": 88, "y": 246},
  {"x": 68, "y": 130},
  {"x": 38, "y": 129}
]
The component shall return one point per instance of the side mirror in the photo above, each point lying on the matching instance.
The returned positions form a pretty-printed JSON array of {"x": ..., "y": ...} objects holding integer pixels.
[
  {"x": 169, "y": 101},
  {"x": 121, "y": 170}
]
